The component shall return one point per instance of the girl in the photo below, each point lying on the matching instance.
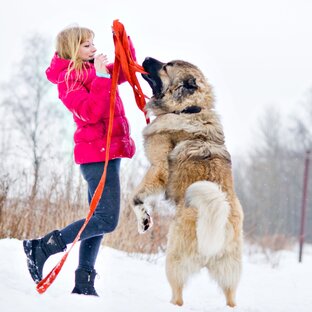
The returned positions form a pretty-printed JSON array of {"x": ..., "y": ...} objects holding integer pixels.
[{"x": 83, "y": 82}]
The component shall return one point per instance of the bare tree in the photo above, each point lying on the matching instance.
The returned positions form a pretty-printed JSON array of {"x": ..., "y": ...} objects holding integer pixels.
[
  {"x": 27, "y": 100},
  {"x": 302, "y": 130},
  {"x": 267, "y": 185},
  {"x": 302, "y": 142},
  {"x": 270, "y": 180}
]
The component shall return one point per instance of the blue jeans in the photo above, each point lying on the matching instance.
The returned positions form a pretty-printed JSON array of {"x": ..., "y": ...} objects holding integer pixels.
[{"x": 106, "y": 214}]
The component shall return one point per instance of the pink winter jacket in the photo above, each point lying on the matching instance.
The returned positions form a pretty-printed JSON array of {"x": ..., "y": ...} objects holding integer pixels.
[{"x": 87, "y": 97}]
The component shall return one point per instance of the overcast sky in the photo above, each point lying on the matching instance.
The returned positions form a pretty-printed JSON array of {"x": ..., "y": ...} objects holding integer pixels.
[{"x": 255, "y": 53}]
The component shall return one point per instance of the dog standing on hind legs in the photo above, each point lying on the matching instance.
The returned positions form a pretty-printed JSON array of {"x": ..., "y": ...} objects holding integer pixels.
[{"x": 191, "y": 165}]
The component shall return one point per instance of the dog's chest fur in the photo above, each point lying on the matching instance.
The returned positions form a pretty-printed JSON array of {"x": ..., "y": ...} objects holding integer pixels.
[{"x": 187, "y": 148}]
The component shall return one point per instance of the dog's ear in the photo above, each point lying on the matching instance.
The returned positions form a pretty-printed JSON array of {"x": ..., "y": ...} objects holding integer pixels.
[{"x": 187, "y": 87}]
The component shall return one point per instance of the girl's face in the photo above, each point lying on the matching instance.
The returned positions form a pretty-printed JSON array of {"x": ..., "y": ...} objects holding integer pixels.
[{"x": 87, "y": 50}]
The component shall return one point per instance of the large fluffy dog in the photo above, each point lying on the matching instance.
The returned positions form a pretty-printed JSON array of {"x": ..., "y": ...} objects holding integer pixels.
[{"x": 190, "y": 163}]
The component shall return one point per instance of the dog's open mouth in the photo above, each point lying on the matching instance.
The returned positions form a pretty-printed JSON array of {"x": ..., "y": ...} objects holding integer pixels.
[{"x": 152, "y": 66}]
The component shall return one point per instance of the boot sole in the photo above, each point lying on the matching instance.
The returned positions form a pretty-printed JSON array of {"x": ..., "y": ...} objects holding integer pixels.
[
  {"x": 87, "y": 292},
  {"x": 32, "y": 268}
]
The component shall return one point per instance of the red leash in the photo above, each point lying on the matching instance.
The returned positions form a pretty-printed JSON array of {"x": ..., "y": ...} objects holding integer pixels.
[
  {"x": 123, "y": 59},
  {"x": 128, "y": 64}
]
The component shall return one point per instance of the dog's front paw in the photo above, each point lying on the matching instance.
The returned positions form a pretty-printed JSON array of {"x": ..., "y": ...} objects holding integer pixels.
[{"x": 145, "y": 221}]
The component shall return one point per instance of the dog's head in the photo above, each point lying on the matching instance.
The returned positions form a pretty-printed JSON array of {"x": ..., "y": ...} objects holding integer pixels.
[{"x": 178, "y": 87}]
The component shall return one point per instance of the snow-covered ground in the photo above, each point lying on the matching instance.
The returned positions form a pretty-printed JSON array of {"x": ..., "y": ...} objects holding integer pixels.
[{"x": 132, "y": 284}]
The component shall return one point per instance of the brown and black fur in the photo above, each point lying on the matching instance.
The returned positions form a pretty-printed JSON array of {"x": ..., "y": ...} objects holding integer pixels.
[{"x": 191, "y": 165}]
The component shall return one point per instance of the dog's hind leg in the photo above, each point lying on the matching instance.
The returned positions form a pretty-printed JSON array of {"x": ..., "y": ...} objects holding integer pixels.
[
  {"x": 176, "y": 279},
  {"x": 230, "y": 296},
  {"x": 226, "y": 271},
  {"x": 181, "y": 248}
]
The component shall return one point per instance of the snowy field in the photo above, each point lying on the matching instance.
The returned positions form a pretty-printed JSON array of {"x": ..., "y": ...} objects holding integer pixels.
[{"x": 132, "y": 284}]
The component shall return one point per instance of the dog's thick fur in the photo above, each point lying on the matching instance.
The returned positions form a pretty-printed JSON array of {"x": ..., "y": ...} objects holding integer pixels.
[{"x": 190, "y": 163}]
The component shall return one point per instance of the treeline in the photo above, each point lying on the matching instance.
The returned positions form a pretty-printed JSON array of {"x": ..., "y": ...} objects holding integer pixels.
[
  {"x": 41, "y": 188},
  {"x": 270, "y": 180}
]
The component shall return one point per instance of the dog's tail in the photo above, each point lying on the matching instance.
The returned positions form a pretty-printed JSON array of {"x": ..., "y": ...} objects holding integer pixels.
[{"x": 213, "y": 211}]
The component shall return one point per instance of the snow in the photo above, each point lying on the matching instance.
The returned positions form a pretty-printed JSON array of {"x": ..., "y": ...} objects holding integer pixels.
[{"x": 129, "y": 283}]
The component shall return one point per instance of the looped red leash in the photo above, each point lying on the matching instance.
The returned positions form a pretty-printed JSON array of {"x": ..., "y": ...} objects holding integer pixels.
[
  {"x": 128, "y": 64},
  {"x": 123, "y": 59}
]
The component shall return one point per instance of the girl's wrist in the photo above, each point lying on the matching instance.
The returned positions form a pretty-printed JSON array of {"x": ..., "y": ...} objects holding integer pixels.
[{"x": 103, "y": 75}]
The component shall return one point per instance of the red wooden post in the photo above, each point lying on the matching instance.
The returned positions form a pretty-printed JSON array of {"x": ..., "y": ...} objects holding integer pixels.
[{"x": 304, "y": 203}]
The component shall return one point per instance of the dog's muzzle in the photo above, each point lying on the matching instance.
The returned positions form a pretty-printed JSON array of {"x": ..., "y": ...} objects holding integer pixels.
[{"x": 152, "y": 67}]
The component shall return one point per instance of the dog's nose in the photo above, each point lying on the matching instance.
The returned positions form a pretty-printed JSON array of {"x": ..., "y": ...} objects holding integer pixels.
[
  {"x": 152, "y": 64},
  {"x": 147, "y": 60}
]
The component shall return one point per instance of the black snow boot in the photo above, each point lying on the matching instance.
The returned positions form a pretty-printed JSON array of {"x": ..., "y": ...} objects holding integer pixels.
[
  {"x": 84, "y": 282},
  {"x": 39, "y": 250}
]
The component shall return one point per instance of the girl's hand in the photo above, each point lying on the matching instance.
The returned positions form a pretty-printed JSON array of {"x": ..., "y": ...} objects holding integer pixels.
[{"x": 100, "y": 62}]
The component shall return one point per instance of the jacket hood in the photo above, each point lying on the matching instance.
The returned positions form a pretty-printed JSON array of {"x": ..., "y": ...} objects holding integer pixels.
[{"x": 57, "y": 66}]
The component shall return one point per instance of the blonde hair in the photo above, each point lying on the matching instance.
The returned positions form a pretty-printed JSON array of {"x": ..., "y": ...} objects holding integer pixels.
[{"x": 68, "y": 42}]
